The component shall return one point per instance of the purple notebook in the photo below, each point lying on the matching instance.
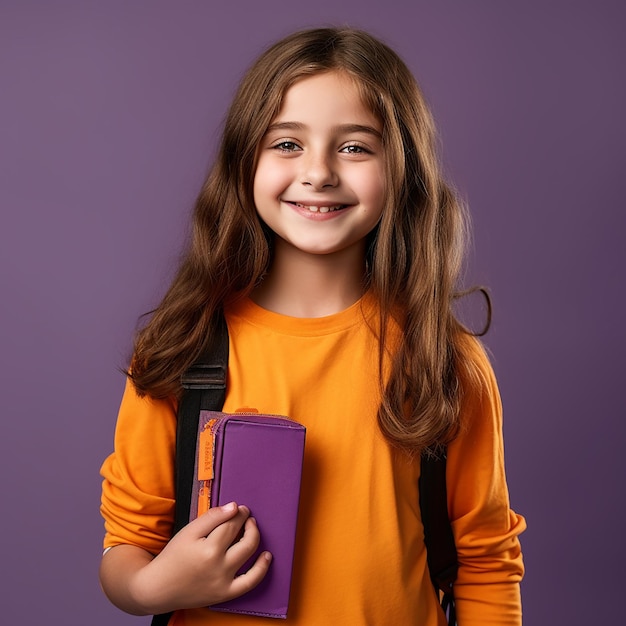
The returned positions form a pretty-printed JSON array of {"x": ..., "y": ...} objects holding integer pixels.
[{"x": 256, "y": 460}]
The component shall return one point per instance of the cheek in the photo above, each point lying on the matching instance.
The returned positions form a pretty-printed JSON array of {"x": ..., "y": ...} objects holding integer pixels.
[
  {"x": 267, "y": 188},
  {"x": 269, "y": 179},
  {"x": 374, "y": 189}
]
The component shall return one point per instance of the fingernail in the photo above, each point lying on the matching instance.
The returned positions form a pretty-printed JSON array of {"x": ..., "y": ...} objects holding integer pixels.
[
  {"x": 267, "y": 556},
  {"x": 231, "y": 506},
  {"x": 244, "y": 509}
]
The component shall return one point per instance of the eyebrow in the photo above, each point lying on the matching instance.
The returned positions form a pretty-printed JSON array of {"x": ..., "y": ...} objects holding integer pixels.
[{"x": 344, "y": 128}]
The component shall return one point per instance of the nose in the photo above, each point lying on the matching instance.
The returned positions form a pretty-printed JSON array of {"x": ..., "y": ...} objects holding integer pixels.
[{"x": 318, "y": 171}]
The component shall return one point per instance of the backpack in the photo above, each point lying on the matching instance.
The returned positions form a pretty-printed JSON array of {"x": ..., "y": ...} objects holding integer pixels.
[{"x": 204, "y": 388}]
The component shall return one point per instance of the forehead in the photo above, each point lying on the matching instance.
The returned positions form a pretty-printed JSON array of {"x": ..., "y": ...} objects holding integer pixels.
[{"x": 326, "y": 96}]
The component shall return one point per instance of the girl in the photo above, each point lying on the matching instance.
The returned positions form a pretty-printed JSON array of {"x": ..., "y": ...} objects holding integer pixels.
[{"x": 329, "y": 240}]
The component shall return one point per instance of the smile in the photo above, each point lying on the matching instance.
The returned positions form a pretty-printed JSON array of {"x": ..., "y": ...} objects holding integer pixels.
[{"x": 321, "y": 209}]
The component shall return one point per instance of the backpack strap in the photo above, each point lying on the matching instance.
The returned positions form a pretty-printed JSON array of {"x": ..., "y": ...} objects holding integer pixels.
[
  {"x": 438, "y": 537},
  {"x": 204, "y": 389}
]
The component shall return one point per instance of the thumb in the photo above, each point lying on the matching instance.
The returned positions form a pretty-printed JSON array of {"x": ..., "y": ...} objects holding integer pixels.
[{"x": 207, "y": 522}]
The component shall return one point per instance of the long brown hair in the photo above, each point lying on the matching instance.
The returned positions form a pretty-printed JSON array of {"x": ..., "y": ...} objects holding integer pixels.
[{"x": 414, "y": 255}]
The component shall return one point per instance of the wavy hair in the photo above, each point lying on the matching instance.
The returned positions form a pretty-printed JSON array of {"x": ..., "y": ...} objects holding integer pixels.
[{"x": 414, "y": 254}]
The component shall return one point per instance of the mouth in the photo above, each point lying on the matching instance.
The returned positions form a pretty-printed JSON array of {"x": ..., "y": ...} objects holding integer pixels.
[{"x": 319, "y": 208}]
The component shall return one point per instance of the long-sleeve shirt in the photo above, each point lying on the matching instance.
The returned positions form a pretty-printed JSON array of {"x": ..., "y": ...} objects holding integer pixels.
[{"x": 360, "y": 557}]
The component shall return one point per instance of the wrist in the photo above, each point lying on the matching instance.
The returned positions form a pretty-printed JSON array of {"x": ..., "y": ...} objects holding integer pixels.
[{"x": 147, "y": 595}]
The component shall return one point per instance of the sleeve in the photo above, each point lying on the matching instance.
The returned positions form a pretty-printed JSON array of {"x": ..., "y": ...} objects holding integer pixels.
[
  {"x": 485, "y": 528},
  {"x": 138, "y": 487}
]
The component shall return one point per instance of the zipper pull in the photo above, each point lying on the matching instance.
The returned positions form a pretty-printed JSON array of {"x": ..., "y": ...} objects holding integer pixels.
[{"x": 206, "y": 450}]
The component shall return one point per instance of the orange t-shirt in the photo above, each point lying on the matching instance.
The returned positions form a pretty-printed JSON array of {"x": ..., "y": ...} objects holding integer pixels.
[{"x": 360, "y": 557}]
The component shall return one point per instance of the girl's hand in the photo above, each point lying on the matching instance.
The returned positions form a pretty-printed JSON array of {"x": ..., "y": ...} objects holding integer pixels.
[{"x": 198, "y": 567}]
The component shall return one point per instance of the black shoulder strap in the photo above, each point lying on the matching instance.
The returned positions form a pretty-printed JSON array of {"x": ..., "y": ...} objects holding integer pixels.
[
  {"x": 438, "y": 537},
  {"x": 204, "y": 388}
]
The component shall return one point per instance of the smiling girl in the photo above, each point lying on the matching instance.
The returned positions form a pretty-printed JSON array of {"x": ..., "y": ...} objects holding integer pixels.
[{"x": 328, "y": 239}]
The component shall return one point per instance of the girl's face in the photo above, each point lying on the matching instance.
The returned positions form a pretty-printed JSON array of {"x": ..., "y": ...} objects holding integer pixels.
[{"x": 319, "y": 182}]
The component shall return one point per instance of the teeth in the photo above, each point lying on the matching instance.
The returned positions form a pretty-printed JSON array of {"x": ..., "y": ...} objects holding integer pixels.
[{"x": 321, "y": 209}]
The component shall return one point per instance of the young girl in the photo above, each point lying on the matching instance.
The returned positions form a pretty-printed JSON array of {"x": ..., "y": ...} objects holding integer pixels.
[{"x": 329, "y": 240}]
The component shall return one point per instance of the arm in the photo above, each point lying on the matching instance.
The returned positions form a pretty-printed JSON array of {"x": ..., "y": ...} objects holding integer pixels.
[
  {"x": 485, "y": 528},
  {"x": 198, "y": 567}
]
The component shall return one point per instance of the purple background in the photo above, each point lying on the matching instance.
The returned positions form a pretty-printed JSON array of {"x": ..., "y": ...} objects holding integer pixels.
[{"x": 109, "y": 113}]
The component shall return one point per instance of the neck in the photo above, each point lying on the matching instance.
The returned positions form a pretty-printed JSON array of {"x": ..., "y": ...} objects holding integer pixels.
[{"x": 300, "y": 284}]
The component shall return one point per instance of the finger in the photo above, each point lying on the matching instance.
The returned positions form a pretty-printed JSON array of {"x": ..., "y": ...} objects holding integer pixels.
[
  {"x": 212, "y": 519},
  {"x": 240, "y": 551},
  {"x": 227, "y": 532},
  {"x": 250, "y": 579}
]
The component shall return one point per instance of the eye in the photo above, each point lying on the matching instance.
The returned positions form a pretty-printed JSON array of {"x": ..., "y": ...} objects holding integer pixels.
[
  {"x": 354, "y": 148},
  {"x": 286, "y": 146}
]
